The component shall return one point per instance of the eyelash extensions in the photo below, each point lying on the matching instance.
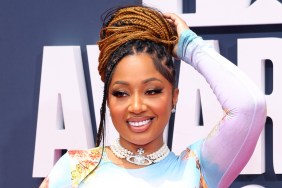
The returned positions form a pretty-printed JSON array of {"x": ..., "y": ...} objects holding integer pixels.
[{"x": 148, "y": 92}]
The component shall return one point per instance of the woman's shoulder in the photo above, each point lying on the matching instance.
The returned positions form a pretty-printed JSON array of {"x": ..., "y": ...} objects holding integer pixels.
[
  {"x": 73, "y": 167},
  {"x": 83, "y": 162},
  {"x": 93, "y": 154}
]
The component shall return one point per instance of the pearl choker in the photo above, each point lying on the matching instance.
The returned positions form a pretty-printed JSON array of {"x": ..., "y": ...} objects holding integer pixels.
[{"x": 139, "y": 159}]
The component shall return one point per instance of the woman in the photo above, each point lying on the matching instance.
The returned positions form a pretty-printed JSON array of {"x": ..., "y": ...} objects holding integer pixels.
[{"x": 135, "y": 63}]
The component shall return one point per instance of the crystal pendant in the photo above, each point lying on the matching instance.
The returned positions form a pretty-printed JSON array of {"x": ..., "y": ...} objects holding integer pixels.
[{"x": 139, "y": 159}]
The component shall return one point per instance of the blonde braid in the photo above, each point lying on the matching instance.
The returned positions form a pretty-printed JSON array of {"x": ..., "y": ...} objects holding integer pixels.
[{"x": 132, "y": 23}]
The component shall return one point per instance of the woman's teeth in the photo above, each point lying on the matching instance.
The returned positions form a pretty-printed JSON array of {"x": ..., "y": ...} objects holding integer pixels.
[{"x": 139, "y": 123}]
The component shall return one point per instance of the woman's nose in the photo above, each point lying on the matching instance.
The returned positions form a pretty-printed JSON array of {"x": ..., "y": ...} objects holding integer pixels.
[{"x": 137, "y": 105}]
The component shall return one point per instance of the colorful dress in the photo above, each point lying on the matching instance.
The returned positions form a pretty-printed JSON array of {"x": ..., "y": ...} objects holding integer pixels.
[{"x": 214, "y": 161}]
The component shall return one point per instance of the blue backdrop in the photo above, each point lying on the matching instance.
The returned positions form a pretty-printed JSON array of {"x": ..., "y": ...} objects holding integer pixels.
[{"x": 27, "y": 26}]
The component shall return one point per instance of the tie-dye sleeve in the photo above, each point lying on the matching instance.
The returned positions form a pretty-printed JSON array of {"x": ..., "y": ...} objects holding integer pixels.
[
  {"x": 60, "y": 175},
  {"x": 229, "y": 146}
]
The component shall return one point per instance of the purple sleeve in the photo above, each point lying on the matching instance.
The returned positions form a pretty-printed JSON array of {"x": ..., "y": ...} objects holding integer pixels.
[{"x": 229, "y": 146}]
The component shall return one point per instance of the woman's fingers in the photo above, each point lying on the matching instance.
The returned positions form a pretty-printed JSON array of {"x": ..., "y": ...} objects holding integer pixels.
[{"x": 177, "y": 22}]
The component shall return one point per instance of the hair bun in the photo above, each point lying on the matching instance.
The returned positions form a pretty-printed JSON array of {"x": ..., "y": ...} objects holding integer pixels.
[{"x": 131, "y": 23}]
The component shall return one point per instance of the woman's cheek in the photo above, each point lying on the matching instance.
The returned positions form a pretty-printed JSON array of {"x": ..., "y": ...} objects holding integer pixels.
[
  {"x": 160, "y": 107},
  {"x": 117, "y": 109}
]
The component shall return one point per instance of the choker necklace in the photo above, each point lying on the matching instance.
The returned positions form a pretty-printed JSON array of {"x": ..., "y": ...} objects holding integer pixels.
[{"x": 139, "y": 158}]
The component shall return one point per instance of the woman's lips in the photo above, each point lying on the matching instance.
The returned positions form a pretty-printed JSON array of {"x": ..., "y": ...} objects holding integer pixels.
[{"x": 139, "y": 125}]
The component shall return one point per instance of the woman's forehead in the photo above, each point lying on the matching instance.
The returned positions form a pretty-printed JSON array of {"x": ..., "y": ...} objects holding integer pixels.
[{"x": 138, "y": 67}]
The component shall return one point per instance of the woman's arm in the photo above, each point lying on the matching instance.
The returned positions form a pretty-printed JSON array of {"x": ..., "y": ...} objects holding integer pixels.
[{"x": 230, "y": 145}]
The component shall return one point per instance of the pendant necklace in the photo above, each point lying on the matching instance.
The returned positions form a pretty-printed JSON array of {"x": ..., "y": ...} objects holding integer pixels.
[{"x": 139, "y": 158}]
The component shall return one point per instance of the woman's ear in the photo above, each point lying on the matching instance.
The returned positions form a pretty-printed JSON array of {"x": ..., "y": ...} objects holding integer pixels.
[{"x": 175, "y": 96}]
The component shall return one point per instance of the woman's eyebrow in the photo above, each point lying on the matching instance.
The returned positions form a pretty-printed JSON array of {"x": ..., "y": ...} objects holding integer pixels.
[
  {"x": 144, "y": 81},
  {"x": 150, "y": 79},
  {"x": 121, "y": 82}
]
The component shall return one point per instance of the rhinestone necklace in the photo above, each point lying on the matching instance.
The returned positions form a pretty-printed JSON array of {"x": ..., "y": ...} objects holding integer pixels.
[{"x": 139, "y": 158}]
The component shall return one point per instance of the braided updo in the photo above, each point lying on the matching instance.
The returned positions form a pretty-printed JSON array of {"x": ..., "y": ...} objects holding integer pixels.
[
  {"x": 133, "y": 30},
  {"x": 131, "y": 23}
]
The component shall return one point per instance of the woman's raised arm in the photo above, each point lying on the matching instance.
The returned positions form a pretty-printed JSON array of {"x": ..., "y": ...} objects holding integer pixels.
[{"x": 229, "y": 146}]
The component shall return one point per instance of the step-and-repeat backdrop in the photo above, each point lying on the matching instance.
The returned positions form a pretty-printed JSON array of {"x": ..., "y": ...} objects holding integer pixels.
[{"x": 50, "y": 91}]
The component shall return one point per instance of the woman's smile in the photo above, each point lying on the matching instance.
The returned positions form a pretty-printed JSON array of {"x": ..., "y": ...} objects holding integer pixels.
[{"x": 139, "y": 124}]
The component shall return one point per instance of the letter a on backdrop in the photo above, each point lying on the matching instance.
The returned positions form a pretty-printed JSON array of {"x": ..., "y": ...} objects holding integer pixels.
[{"x": 63, "y": 112}]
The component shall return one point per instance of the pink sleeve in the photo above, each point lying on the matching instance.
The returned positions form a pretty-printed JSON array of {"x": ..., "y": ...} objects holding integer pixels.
[{"x": 229, "y": 146}]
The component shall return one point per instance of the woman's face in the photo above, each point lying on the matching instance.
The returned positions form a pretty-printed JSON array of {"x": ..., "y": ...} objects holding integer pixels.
[{"x": 140, "y": 101}]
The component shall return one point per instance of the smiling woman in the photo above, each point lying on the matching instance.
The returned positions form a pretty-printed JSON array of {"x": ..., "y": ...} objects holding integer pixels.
[{"x": 137, "y": 45}]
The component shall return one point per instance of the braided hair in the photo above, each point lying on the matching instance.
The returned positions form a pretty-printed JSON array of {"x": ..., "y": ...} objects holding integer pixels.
[{"x": 128, "y": 31}]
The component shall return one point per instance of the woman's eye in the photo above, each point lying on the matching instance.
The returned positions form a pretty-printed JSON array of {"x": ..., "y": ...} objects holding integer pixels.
[
  {"x": 154, "y": 91},
  {"x": 119, "y": 94}
]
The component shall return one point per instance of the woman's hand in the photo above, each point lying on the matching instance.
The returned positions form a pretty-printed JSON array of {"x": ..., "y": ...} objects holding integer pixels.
[{"x": 179, "y": 25}]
